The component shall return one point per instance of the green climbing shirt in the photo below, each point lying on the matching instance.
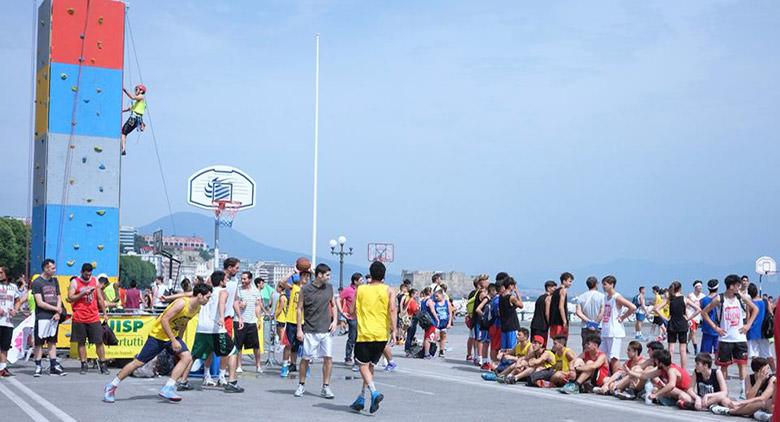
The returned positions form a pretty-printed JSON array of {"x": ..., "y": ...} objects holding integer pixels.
[{"x": 139, "y": 107}]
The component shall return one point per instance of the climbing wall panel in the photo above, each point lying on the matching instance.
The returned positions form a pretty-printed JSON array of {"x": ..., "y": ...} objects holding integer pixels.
[
  {"x": 44, "y": 34},
  {"x": 90, "y": 32}
]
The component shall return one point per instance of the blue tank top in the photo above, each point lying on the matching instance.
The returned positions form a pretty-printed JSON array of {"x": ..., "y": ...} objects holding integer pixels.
[
  {"x": 754, "y": 333},
  {"x": 443, "y": 312},
  {"x": 705, "y": 328}
]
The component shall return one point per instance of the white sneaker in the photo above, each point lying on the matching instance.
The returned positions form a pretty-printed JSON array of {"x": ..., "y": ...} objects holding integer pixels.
[
  {"x": 599, "y": 390},
  {"x": 239, "y": 370},
  {"x": 762, "y": 415},
  {"x": 209, "y": 382},
  {"x": 222, "y": 381},
  {"x": 260, "y": 370},
  {"x": 328, "y": 394},
  {"x": 299, "y": 392},
  {"x": 720, "y": 410}
]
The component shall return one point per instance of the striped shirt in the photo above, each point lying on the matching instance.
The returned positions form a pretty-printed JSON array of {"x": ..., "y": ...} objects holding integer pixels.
[{"x": 249, "y": 297}]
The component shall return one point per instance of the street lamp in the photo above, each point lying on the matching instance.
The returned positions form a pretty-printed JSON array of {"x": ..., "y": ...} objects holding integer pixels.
[{"x": 340, "y": 253}]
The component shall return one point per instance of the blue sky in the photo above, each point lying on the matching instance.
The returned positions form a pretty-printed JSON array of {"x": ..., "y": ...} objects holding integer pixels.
[{"x": 476, "y": 136}]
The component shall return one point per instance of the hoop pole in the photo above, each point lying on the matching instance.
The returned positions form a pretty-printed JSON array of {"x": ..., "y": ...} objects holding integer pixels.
[
  {"x": 216, "y": 239},
  {"x": 316, "y": 146}
]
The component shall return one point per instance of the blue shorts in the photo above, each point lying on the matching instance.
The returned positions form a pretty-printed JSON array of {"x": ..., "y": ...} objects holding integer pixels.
[
  {"x": 508, "y": 340},
  {"x": 292, "y": 337},
  {"x": 640, "y": 317},
  {"x": 481, "y": 334},
  {"x": 709, "y": 343},
  {"x": 155, "y": 346}
]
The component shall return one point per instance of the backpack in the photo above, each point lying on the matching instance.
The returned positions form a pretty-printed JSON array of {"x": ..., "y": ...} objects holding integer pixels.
[
  {"x": 165, "y": 363},
  {"x": 768, "y": 324},
  {"x": 741, "y": 304},
  {"x": 147, "y": 371},
  {"x": 486, "y": 320},
  {"x": 469, "y": 320},
  {"x": 635, "y": 301},
  {"x": 424, "y": 318}
]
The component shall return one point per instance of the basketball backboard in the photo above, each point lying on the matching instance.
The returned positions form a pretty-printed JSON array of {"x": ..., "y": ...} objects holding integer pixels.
[
  {"x": 766, "y": 265},
  {"x": 157, "y": 241},
  {"x": 383, "y": 252},
  {"x": 211, "y": 185}
]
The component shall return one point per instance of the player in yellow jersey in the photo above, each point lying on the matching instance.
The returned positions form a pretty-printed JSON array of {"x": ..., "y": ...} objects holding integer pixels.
[
  {"x": 166, "y": 334},
  {"x": 293, "y": 285},
  {"x": 137, "y": 111},
  {"x": 375, "y": 310}
]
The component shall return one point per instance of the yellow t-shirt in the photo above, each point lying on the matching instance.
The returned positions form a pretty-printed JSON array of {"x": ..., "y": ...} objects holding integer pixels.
[
  {"x": 292, "y": 304},
  {"x": 521, "y": 351},
  {"x": 562, "y": 360},
  {"x": 665, "y": 310},
  {"x": 281, "y": 311},
  {"x": 373, "y": 321},
  {"x": 178, "y": 322},
  {"x": 139, "y": 107},
  {"x": 550, "y": 363}
]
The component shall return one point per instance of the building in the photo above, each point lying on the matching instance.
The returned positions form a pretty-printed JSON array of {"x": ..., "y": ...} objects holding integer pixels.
[
  {"x": 272, "y": 271},
  {"x": 458, "y": 284},
  {"x": 184, "y": 243},
  {"x": 127, "y": 238}
]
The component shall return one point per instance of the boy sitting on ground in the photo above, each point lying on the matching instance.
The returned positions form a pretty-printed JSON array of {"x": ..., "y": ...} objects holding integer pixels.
[
  {"x": 711, "y": 387},
  {"x": 565, "y": 363},
  {"x": 516, "y": 357},
  {"x": 635, "y": 358},
  {"x": 538, "y": 359},
  {"x": 760, "y": 391},
  {"x": 628, "y": 388},
  {"x": 592, "y": 372},
  {"x": 675, "y": 384}
]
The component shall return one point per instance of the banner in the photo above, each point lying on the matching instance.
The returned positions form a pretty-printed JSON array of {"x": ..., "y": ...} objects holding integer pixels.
[{"x": 20, "y": 339}]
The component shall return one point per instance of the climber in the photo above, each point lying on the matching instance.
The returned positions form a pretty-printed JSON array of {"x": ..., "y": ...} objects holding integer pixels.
[{"x": 137, "y": 109}]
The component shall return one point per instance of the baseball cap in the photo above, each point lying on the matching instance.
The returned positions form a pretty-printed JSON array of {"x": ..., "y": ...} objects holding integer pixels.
[{"x": 538, "y": 339}]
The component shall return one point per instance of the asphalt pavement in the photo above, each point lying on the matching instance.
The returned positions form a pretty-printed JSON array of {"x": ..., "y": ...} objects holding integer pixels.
[{"x": 445, "y": 389}]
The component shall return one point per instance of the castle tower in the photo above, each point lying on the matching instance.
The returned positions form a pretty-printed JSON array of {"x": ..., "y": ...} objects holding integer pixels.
[{"x": 78, "y": 119}]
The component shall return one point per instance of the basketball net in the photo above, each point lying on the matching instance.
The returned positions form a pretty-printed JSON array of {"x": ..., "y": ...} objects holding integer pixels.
[{"x": 225, "y": 212}]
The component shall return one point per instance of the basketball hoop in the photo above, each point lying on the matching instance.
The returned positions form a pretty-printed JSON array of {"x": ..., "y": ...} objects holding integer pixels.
[{"x": 225, "y": 212}]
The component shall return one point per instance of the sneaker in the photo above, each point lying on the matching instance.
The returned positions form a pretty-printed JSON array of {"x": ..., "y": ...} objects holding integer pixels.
[
  {"x": 168, "y": 393},
  {"x": 84, "y": 368},
  {"x": 103, "y": 367},
  {"x": 293, "y": 368},
  {"x": 359, "y": 404},
  {"x": 355, "y": 368},
  {"x": 108, "y": 393},
  {"x": 510, "y": 379},
  {"x": 586, "y": 387},
  {"x": 183, "y": 386},
  {"x": 429, "y": 357},
  {"x": 720, "y": 410},
  {"x": 441, "y": 354},
  {"x": 285, "y": 371},
  {"x": 762, "y": 415},
  {"x": 349, "y": 362},
  {"x": 469, "y": 358},
  {"x": 299, "y": 392},
  {"x": 6, "y": 373},
  {"x": 57, "y": 371},
  {"x": 625, "y": 395},
  {"x": 38, "y": 372},
  {"x": 326, "y": 392},
  {"x": 408, "y": 355},
  {"x": 233, "y": 388},
  {"x": 376, "y": 398},
  {"x": 500, "y": 379},
  {"x": 391, "y": 367},
  {"x": 543, "y": 384},
  {"x": 486, "y": 366},
  {"x": 260, "y": 370},
  {"x": 209, "y": 382},
  {"x": 489, "y": 376},
  {"x": 570, "y": 388},
  {"x": 239, "y": 370},
  {"x": 221, "y": 381},
  {"x": 599, "y": 390}
]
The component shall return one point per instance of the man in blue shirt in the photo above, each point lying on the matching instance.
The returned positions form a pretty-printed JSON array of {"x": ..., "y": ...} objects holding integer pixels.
[
  {"x": 758, "y": 346},
  {"x": 709, "y": 337}
]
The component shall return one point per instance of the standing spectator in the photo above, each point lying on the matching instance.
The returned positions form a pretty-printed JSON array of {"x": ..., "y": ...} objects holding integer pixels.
[
  {"x": 158, "y": 291},
  {"x": 48, "y": 310},
  {"x": 10, "y": 301},
  {"x": 439, "y": 309},
  {"x": 346, "y": 299},
  {"x": 508, "y": 303},
  {"x": 613, "y": 315},
  {"x": 758, "y": 345},
  {"x": 731, "y": 328},
  {"x": 540, "y": 323},
  {"x": 133, "y": 297},
  {"x": 694, "y": 318},
  {"x": 709, "y": 337},
  {"x": 559, "y": 315},
  {"x": 245, "y": 328},
  {"x": 677, "y": 331},
  {"x": 267, "y": 311},
  {"x": 109, "y": 292},
  {"x": 87, "y": 300},
  {"x": 641, "y": 313},
  {"x": 435, "y": 283},
  {"x": 411, "y": 311},
  {"x": 590, "y": 308}
]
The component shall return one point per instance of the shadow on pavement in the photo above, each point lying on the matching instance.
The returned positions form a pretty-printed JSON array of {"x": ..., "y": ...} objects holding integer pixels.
[{"x": 336, "y": 407}]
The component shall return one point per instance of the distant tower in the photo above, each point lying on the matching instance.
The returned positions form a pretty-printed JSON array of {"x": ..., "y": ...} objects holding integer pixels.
[{"x": 78, "y": 112}]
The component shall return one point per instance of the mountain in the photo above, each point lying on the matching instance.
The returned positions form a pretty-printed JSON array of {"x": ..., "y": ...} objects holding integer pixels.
[{"x": 238, "y": 244}]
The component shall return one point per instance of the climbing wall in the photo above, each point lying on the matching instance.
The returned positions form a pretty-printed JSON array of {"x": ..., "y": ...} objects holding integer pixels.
[{"x": 78, "y": 119}]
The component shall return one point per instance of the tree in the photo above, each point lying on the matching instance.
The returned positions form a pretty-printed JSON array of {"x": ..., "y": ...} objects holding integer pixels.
[
  {"x": 13, "y": 245},
  {"x": 134, "y": 268},
  {"x": 139, "y": 242},
  {"x": 205, "y": 255}
]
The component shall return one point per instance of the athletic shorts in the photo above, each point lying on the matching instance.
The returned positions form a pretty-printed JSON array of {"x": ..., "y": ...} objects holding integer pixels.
[
  {"x": 709, "y": 343},
  {"x": 39, "y": 341},
  {"x": 155, "y": 346},
  {"x": 495, "y": 337},
  {"x": 132, "y": 122},
  {"x": 729, "y": 353},
  {"x": 83, "y": 331},
  {"x": 599, "y": 375},
  {"x": 559, "y": 330},
  {"x": 229, "y": 326},
  {"x": 508, "y": 340},
  {"x": 540, "y": 333},
  {"x": 658, "y": 320},
  {"x": 481, "y": 334},
  {"x": 693, "y": 324},
  {"x": 246, "y": 338},
  {"x": 430, "y": 333},
  {"x": 543, "y": 374},
  {"x": 611, "y": 346},
  {"x": 369, "y": 351},
  {"x": 760, "y": 348},
  {"x": 6, "y": 334},
  {"x": 640, "y": 317},
  {"x": 317, "y": 345},
  {"x": 291, "y": 330},
  {"x": 677, "y": 337},
  {"x": 207, "y": 343}
]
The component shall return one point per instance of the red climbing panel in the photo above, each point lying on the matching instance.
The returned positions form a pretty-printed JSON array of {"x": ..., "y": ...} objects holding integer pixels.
[{"x": 102, "y": 43}]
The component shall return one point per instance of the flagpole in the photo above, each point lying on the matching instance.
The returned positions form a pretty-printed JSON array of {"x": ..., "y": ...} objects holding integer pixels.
[{"x": 316, "y": 147}]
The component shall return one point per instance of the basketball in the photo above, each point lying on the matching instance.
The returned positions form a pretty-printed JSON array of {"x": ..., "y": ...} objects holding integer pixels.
[{"x": 303, "y": 264}]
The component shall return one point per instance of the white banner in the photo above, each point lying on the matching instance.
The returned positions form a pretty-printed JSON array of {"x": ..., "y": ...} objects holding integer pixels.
[{"x": 19, "y": 340}]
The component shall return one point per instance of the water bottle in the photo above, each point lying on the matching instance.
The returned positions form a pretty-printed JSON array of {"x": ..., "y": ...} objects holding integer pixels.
[{"x": 648, "y": 391}]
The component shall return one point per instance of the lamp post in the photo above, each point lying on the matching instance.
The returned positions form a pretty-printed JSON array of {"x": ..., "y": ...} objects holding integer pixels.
[{"x": 340, "y": 253}]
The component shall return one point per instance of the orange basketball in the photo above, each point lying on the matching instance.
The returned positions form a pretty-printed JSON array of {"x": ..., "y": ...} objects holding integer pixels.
[{"x": 303, "y": 264}]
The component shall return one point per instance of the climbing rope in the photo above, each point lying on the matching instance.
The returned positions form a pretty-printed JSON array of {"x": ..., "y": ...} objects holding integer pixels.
[{"x": 151, "y": 125}]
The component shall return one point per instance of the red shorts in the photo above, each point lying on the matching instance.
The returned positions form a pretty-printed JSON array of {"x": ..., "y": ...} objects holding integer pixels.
[
  {"x": 495, "y": 337},
  {"x": 694, "y": 325},
  {"x": 430, "y": 333},
  {"x": 229, "y": 326},
  {"x": 600, "y": 375},
  {"x": 559, "y": 330}
]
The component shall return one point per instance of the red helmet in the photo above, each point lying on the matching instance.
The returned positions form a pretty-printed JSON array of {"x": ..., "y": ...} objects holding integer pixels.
[{"x": 142, "y": 87}]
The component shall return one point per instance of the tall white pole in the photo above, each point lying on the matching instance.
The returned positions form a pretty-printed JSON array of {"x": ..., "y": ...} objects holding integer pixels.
[{"x": 316, "y": 148}]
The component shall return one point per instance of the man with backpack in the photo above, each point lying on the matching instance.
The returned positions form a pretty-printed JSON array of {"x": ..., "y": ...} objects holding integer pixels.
[
  {"x": 733, "y": 310},
  {"x": 641, "y": 313},
  {"x": 483, "y": 320},
  {"x": 762, "y": 329}
]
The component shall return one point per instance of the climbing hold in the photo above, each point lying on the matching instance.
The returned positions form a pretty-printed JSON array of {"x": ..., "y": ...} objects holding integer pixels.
[
  {"x": 74, "y": 88},
  {"x": 98, "y": 113},
  {"x": 81, "y": 36},
  {"x": 98, "y": 90},
  {"x": 70, "y": 216},
  {"x": 73, "y": 146},
  {"x": 100, "y": 45},
  {"x": 100, "y": 20},
  {"x": 72, "y": 181},
  {"x": 37, "y": 166},
  {"x": 83, "y": 159},
  {"x": 92, "y": 60},
  {"x": 63, "y": 76},
  {"x": 94, "y": 264},
  {"x": 73, "y": 123},
  {"x": 70, "y": 263},
  {"x": 100, "y": 188},
  {"x": 76, "y": 246},
  {"x": 89, "y": 201},
  {"x": 98, "y": 149},
  {"x": 81, "y": 59},
  {"x": 71, "y": 10},
  {"x": 101, "y": 212},
  {"x": 102, "y": 166},
  {"x": 89, "y": 224},
  {"x": 100, "y": 247},
  {"x": 86, "y": 100}
]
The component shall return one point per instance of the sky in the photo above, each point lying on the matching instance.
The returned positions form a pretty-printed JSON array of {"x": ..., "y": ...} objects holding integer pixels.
[{"x": 475, "y": 136}]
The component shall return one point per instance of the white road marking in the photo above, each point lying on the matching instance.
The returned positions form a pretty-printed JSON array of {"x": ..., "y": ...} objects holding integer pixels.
[
  {"x": 59, "y": 413},
  {"x": 26, "y": 407},
  {"x": 428, "y": 393},
  {"x": 588, "y": 399}
]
